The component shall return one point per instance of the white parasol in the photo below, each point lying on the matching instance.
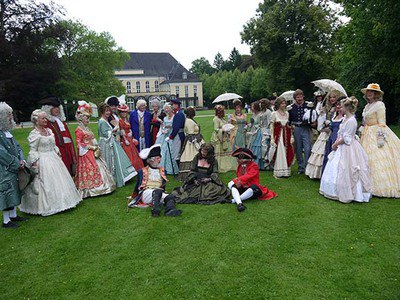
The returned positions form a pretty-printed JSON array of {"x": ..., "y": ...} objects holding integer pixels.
[
  {"x": 328, "y": 85},
  {"x": 226, "y": 97},
  {"x": 288, "y": 95}
]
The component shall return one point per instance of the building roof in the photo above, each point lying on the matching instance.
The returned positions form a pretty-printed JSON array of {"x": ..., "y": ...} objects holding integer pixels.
[{"x": 159, "y": 64}]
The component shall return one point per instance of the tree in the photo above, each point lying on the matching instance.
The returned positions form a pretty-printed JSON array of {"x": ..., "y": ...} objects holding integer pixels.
[
  {"x": 28, "y": 69},
  {"x": 369, "y": 50},
  {"x": 89, "y": 60},
  {"x": 234, "y": 60},
  {"x": 201, "y": 66},
  {"x": 219, "y": 62},
  {"x": 292, "y": 39}
]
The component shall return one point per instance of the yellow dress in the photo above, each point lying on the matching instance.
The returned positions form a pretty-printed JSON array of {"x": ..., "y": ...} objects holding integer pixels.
[{"x": 383, "y": 162}]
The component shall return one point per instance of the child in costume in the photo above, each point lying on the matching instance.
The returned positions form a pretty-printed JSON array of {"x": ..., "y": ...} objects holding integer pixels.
[
  {"x": 150, "y": 185},
  {"x": 247, "y": 183}
]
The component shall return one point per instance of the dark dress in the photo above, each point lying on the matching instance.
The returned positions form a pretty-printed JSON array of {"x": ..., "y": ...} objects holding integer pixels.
[
  {"x": 334, "y": 127},
  {"x": 202, "y": 193}
]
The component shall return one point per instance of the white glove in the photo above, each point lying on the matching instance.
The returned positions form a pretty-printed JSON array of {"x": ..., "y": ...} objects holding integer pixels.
[
  {"x": 167, "y": 139},
  {"x": 127, "y": 142},
  {"x": 130, "y": 133}
]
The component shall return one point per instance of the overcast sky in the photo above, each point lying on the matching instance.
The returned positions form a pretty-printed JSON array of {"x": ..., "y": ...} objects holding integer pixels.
[{"x": 186, "y": 29}]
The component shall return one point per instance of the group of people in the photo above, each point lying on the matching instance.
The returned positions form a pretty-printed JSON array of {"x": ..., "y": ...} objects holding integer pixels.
[{"x": 168, "y": 141}]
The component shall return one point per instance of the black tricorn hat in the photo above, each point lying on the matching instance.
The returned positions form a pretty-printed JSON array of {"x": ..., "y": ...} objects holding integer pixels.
[
  {"x": 52, "y": 100},
  {"x": 243, "y": 153},
  {"x": 153, "y": 151},
  {"x": 113, "y": 100}
]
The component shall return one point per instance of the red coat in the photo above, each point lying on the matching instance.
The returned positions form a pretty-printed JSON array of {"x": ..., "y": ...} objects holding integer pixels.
[
  {"x": 249, "y": 174},
  {"x": 67, "y": 151}
]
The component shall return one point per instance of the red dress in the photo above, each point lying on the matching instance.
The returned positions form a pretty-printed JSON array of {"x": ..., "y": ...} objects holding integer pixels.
[
  {"x": 130, "y": 149},
  {"x": 88, "y": 174},
  {"x": 67, "y": 150},
  {"x": 249, "y": 174}
]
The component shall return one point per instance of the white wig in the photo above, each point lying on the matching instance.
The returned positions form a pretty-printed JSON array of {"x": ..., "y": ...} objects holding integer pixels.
[
  {"x": 156, "y": 101},
  {"x": 167, "y": 105},
  {"x": 49, "y": 116},
  {"x": 5, "y": 111},
  {"x": 140, "y": 103},
  {"x": 35, "y": 115}
]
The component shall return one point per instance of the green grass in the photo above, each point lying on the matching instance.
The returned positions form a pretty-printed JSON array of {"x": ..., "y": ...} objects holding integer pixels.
[{"x": 297, "y": 246}]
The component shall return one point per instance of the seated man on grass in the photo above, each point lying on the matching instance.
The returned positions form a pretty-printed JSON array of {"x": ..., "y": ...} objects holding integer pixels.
[
  {"x": 150, "y": 186},
  {"x": 247, "y": 183}
]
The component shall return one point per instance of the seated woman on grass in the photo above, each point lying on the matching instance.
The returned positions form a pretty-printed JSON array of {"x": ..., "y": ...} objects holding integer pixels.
[{"x": 202, "y": 184}]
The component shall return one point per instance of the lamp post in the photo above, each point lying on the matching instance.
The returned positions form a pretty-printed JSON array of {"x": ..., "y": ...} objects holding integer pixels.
[{"x": 66, "y": 110}]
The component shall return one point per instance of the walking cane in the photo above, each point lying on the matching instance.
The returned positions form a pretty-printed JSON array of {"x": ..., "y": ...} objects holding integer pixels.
[{"x": 172, "y": 161}]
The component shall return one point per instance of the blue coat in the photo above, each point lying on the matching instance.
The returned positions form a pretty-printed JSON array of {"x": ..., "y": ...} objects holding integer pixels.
[
  {"x": 10, "y": 156},
  {"x": 134, "y": 120},
  {"x": 177, "y": 124}
]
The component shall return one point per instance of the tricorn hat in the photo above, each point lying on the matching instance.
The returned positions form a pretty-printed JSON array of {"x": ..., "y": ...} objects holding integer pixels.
[
  {"x": 372, "y": 87},
  {"x": 51, "y": 100},
  {"x": 153, "y": 151},
  {"x": 176, "y": 101},
  {"x": 112, "y": 101},
  {"x": 243, "y": 153}
]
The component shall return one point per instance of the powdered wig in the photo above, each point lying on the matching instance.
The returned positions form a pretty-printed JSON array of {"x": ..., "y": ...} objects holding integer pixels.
[
  {"x": 350, "y": 104},
  {"x": 36, "y": 114},
  {"x": 49, "y": 116},
  {"x": 5, "y": 122},
  {"x": 157, "y": 102},
  {"x": 140, "y": 103}
]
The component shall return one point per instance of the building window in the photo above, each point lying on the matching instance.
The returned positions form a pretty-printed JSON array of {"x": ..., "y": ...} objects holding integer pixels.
[
  {"x": 128, "y": 87},
  {"x": 130, "y": 102},
  {"x": 147, "y": 87},
  {"x": 156, "y": 88},
  {"x": 137, "y": 86},
  {"x": 177, "y": 91},
  {"x": 195, "y": 90},
  {"x": 186, "y": 91},
  {"x": 184, "y": 75}
]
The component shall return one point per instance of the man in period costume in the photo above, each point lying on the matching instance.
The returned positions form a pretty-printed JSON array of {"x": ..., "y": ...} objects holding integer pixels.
[
  {"x": 56, "y": 122},
  {"x": 301, "y": 129},
  {"x": 140, "y": 120},
  {"x": 113, "y": 102},
  {"x": 12, "y": 160},
  {"x": 247, "y": 183},
  {"x": 150, "y": 185},
  {"x": 178, "y": 126}
]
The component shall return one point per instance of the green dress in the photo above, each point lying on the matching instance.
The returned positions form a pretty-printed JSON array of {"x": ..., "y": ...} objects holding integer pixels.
[
  {"x": 114, "y": 156},
  {"x": 202, "y": 193},
  {"x": 10, "y": 157}
]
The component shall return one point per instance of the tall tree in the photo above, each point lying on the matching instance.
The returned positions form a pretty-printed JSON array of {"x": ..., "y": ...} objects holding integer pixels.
[
  {"x": 201, "y": 66},
  {"x": 234, "y": 60},
  {"x": 369, "y": 49},
  {"x": 28, "y": 69},
  {"x": 219, "y": 62},
  {"x": 293, "y": 40},
  {"x": 89, "y": 60}
]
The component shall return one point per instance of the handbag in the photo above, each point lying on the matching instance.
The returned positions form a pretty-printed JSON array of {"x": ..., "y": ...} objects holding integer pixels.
[{"x": 25, "y": 177}]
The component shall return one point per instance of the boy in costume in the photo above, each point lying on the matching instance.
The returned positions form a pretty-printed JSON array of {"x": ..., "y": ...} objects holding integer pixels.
[
  {"x": 150, "y": 185},
  {"x": 247, "y": 183}
]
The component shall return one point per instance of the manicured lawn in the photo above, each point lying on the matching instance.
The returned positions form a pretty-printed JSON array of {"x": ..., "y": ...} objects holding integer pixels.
[{"x": 297, "y": 246}]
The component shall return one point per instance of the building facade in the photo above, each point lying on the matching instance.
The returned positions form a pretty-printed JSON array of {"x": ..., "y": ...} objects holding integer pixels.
[{"x": 146, "y": 75}]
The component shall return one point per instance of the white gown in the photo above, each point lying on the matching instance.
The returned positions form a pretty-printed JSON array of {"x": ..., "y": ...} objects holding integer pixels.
[{"x": 52, "y": 189}]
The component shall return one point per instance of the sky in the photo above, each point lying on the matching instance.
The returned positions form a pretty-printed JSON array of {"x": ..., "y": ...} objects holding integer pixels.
[{"x": 186, "y": 29}]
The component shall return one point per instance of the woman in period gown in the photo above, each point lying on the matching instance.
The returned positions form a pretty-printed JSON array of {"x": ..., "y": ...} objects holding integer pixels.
[
  {"x": 381, "y": 144},
  {"x": 52, "y": 189},
  {"x": 281, "y": 154},
  {"x": 111, "y": 151},
  {"x": 265, "y": 121},
  {"x": 168, "y": 155},
  {"x": 157, "y": 118},
  {"x": 334, "y": 127},
  {"x": 221, "y": 141},
  {"x": 203, "y": 185},
  {"x": 191, "y": 145},
  {"x": 316, "y": 160},
  {"x": 92, "y": 175},
  {"x": 128, "y": 143},
  {"x": 255, "y": 135},
  {"x": 346, "y": 176},
  {"x": 239, "y": 120}
]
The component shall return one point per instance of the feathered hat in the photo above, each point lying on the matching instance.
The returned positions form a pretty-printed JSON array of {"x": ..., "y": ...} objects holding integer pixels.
[
  {"x": 153, "y": 151},
  {"x": 84, "y": 108}
]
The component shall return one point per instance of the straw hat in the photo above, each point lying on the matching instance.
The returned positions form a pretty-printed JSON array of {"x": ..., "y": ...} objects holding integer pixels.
[{"x": 372, "y": 87}]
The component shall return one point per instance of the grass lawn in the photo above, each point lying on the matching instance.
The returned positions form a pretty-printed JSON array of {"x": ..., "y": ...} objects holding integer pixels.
[{"x": 297, "y": 246}]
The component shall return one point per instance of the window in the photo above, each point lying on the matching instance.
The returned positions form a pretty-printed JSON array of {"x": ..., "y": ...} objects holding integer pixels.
[
  {"x": 137, "y": 86},
  {"x": 186, "y": 91},
  {"x": 156, "y": 88},
  {"x": 177, "y": 91},
  {"x": 130, "y": 102},
  {"x": 147, "y": 87},
  {"x": 195, "y": 90},
  {"x": 184, "y": 75},
  {"x": 128, "y": 87}
]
